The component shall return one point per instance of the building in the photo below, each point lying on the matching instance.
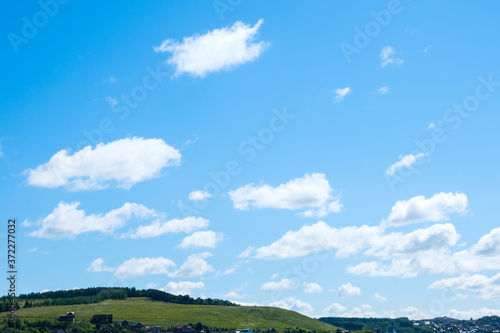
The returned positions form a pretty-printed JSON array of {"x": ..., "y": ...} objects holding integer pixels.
[
  {"x": 70, "y": 316},
  {"x": 183, "y": 329},
  {"x": 102, "y": 319}
]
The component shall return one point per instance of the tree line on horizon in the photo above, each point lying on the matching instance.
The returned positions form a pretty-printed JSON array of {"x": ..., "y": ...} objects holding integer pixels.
[{"x": 99, "y": 294}]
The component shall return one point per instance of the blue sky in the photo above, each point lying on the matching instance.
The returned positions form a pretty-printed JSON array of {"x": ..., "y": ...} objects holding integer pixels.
[{"x": 331, "y": 158}]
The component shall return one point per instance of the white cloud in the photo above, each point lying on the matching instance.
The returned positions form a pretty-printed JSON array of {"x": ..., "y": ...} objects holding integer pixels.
[
  {"x": 219, "y": 49},
  {"x": 233, "y": 268},
  {"x": 333, "y": 207},
  {"x": 387, "y": 57},
  {"x": 427, "y": 251},
  {"x": 195, "y": 265},
  {"x": 348, "y": 290},
  {"x": 159, "y": 227},
  {"x": 319, "y": 237},
  {"x": 198, "y": 196},
  {"x": 404, "y": 162},
  {"x": 233, "y": 294},
  {"x": 366, "y": 311},
  {"x": 476, "y": 313},
  {"x": 311, "y": 287},
  {"x": 282, "y": 284},
  {"x": 383, "y": 90},
  {"x": 143, "y": 266},
  {"x": 379, "y": 297},
  {"x": 311, "y": 191},
  {"x": 67, "y": 221},
  {"x": 97, "y": 266},
  {"x": 432, "y": 125},
  {"x": 334, "y": 309},
  {"x": 418, "y": 252},
  {"x": 33, "y": 249},
  {"x": 340, "y": 93},
  {"x": 247, "y": 253},
  {"x": 1, "y": 152},
  {"x": 291, "y": 303},
  {"x": 198, "y": 239},
  {"x": 274, "y": 276},
  {"x": 182, "y": 287},
  {"x": 482, "y": 255},
  {"x": 122, "y": 163},
  {"x": 152, "y": 285},
  {"x": 484, "y": 287},
  {"x": 415, "y": 313},
  {"x": 435, "y": 209}
]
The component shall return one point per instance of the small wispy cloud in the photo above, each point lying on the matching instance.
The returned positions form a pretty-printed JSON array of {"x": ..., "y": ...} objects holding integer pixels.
[
  {"x": 112, "y": 79},
  {"x": 383, "y": 90},
  {"x": 404, "y": 161},
  {"x": 340, "y": 93},
  {"x": 387, "y": 57}
]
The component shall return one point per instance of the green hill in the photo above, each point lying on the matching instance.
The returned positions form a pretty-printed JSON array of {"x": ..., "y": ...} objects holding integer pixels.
[{"x": 150, "y": 312}]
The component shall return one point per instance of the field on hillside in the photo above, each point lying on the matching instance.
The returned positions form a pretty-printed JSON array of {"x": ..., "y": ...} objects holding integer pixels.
[{"x": 149, "y": 312}]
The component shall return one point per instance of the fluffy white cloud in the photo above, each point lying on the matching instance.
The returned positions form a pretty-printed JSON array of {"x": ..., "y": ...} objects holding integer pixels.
[
  {"x": 311, "y": 287},
  {"x": 348, "y": 289},
  {"x": 484, "y": 287},
  {"x": 195, "y": 265},
  {"x": 182, "y": 287},
  {"x": 198, "y": 239},
  {"x": 481, "y": 256},
  {"x": 232, "y": 294},
  {"x": 198, "y": 196},
  {"x": 437, "y": 236},
  {"x": 159, "y": 227},
  {"x": 215, "y": 50},
  {"x": 122, "y": 163},
  {"x": 97, "y": 266},
  {"x": 291, "y": 303},
  {"x": 143, "y": 266},
  {"x": 387, "y": 57},
  {"x": 435, "y": 209},
  {"x": 311, "y": 191},
  {"x": 379, "y": 297},
  {"x": 408, "y": 265},
  {"x": 340, "y": 93},
  {"x": 334, "y": 309},
  {"x": 319, "y": 237},
  {"x": 67, "y": 221},
  {"x": 282, "y": 284},
  {"x": 403, "y": 162}
]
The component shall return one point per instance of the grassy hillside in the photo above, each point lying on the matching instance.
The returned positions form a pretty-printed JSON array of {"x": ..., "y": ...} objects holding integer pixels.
[{"x": 149, "y": 312}]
